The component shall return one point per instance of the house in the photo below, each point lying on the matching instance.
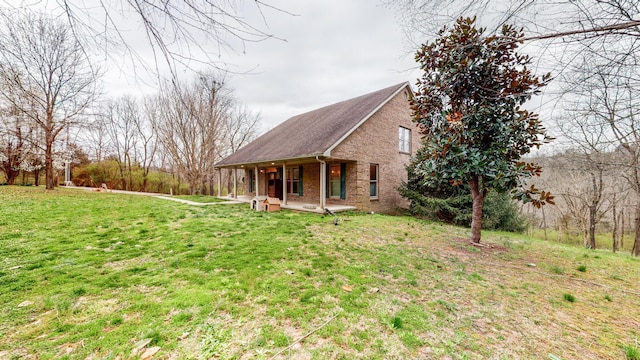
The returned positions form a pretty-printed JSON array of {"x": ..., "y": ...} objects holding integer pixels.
[{"x": 349, "y": 155}]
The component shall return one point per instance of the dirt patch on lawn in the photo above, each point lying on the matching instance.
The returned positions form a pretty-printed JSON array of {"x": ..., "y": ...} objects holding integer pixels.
[{"x": 478, "y": 249}]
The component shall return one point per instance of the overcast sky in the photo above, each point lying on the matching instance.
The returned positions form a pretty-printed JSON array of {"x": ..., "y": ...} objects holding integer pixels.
[
  {"x": 332, "y": 50},
  {"x": 322, "y": 52}
]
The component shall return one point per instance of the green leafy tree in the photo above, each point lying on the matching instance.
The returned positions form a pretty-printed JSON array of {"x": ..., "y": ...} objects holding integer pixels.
[
  {"x": 453, "y": 205},
  {"x": 468, "y": 109}
]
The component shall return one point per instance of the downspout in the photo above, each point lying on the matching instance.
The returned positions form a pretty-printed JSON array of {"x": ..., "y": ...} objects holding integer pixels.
[{"x": 323, "y": 180}]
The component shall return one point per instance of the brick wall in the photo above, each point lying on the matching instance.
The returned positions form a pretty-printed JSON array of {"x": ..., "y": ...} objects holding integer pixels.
[{"x": 376, "y": 142}]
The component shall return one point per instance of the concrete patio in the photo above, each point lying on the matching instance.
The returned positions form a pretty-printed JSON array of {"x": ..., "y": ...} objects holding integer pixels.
[{"x": 297, "y": 206}]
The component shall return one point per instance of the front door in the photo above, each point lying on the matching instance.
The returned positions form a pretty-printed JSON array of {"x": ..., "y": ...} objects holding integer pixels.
[{"x": 274, "y": 183}]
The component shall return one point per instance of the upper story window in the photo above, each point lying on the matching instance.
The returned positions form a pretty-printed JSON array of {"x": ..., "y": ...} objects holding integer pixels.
[{"x": 404, "y": 140}]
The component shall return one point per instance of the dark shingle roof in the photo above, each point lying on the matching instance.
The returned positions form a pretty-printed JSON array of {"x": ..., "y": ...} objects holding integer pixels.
[{"x": 312, "y": 133}]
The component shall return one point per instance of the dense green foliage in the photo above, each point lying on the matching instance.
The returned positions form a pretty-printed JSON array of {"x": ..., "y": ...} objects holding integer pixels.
[
  {"x": 453, "y": 205},
  {"x": 468, "y": 109}
]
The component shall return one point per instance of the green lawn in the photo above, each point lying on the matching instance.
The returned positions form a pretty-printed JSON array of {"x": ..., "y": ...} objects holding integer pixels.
[{"x": 87, "y": 275}]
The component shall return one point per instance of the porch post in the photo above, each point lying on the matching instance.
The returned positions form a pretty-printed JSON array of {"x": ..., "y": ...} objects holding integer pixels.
[
  {"x": 219, "y": 182},
  {"x": 257, "y": 181},
  {"x": 235, "y": 183},
  {"x": 323, "y": 184},
  {"x": 284, "y": 183}
]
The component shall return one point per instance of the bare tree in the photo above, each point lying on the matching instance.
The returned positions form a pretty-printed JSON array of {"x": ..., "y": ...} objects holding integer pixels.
[
  {"x": 238, "y": 131},
  {"x": 199, "y": 123},
  {"x": 121, "y": 117},
  {"x": 589, "y": 163},
  {"x": 608, "y": 98},
  {"x": 192, "y": 126},
  {"x": 12, "y": 144},
  {"x": 146, "y": 127},
  {"x": 45, "y": 75},
  {"x": 95, "y": 138},
  {"x": 180, "y": 34},
  {"x": 584, "y": 192},
  {"x": 569, "y": 19}
]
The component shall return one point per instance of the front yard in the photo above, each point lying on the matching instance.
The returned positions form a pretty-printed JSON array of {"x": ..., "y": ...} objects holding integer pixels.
[{"x": 104, "y": 276}]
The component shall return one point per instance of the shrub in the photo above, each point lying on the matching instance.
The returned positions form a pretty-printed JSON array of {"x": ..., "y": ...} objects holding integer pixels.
[
  {"x": 396, "y": 322},
  {"x": 631, "y": 352},
  {"x": 453, "y": 205}
]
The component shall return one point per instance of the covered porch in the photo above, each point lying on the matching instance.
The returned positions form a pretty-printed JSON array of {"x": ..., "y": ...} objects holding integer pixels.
[
  {"x": 296, "y": 205},
  {"x": 305, "y": 184}
]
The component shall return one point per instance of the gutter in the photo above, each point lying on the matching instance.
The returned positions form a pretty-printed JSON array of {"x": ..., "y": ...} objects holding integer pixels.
[{"x": 310, "y": 156}]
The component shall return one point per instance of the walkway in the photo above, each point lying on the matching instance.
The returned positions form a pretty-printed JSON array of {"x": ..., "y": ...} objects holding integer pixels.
[
  {"x": 297, "y": 206},
  {"x": 195, "y": 203}
]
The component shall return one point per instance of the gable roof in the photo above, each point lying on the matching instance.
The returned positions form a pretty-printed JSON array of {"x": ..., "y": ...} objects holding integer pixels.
[{"x": 314, "y": 133}]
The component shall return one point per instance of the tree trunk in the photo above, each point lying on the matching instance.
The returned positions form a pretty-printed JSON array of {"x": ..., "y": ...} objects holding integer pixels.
[
  {"x": 48, "y": 162},
  {"x": 559, "y": 232},
  {"x": 592, "y": 227},
  {"x": 636, "y": 243},
  {"x": 36, "y": 175},
  {"x": 614, "y": 236},
  {"x": 123, "y": 181},
  {"x": 476, "y": 218},
  {"x": 11, "y": 174},
  {"x": 622, "y": 227},
  {"x": 544, "y": 224}
]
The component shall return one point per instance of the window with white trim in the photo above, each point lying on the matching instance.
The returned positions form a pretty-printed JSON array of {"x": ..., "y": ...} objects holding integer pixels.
[
  {"x": 293, "y": 180},
  {"x": 373, "y": 181},
  {"x": 404, "y": 140}
]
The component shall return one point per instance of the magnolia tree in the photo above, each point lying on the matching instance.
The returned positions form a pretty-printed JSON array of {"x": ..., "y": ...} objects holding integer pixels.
[{"x": 468, "y": 109}]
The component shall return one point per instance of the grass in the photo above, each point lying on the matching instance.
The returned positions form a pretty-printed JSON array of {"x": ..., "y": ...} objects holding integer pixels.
[
  {"x": 631, "y": 352},
  {"x": 90, "y": 275},
  {"x": 603, "y": 239}
]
